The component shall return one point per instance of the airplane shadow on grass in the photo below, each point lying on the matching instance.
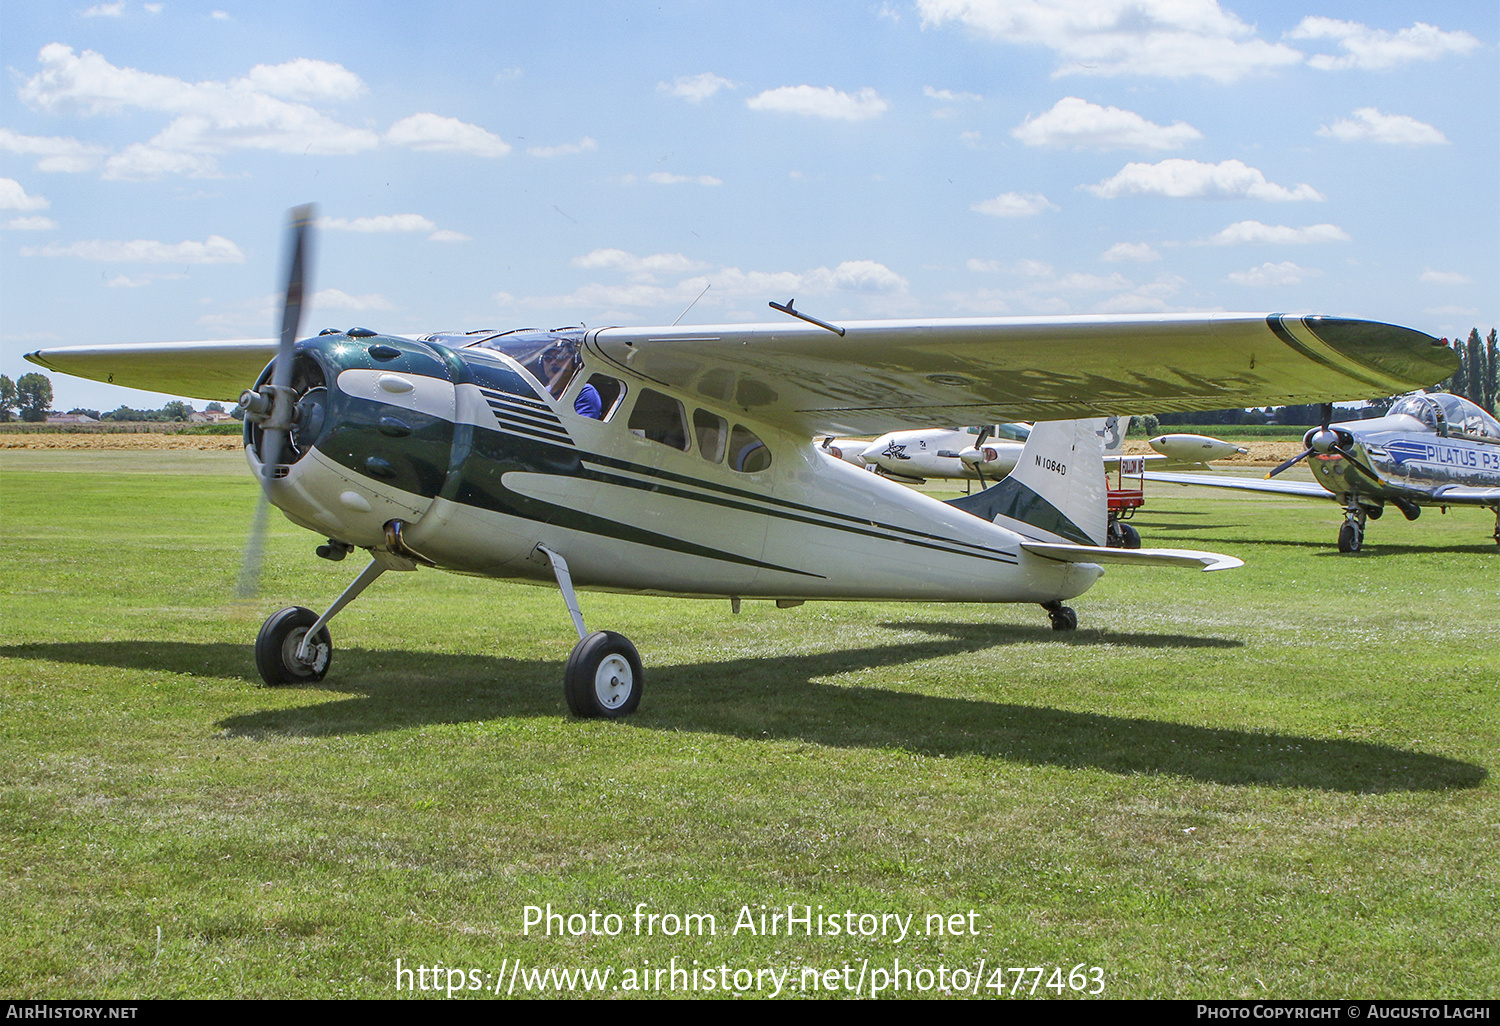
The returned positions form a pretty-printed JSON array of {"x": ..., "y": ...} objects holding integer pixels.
[{"x": 782, "y": 697}]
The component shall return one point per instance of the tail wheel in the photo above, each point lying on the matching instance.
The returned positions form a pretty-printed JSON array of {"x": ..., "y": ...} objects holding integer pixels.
[
  {"x": 603, "y": 677},
  {"x": 279, "y": 641}
]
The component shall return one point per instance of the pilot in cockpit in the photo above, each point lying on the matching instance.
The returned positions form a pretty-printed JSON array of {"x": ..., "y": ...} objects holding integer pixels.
[{"x": 555, "y": 369}]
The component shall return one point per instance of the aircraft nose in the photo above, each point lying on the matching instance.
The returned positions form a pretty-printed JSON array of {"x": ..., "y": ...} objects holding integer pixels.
[{"x": 373, "y": 441}]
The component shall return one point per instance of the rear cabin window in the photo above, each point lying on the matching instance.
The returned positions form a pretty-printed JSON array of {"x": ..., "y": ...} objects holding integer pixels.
[
  {"x": 747, "y": 453},
  {"x": 659, "y": 418},
  {"x": 711, "y": 431}
]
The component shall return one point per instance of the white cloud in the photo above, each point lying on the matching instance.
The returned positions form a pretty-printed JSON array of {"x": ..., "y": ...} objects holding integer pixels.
[
  {"x": 583, "y": 145},
  {"x": 30, "y": 223},
  {"x": 139, "y": 162},
  {"x": 1432, "y": 277},
  {"x": 696, "y": 88},
  {"x": 665, "y": 178},
  {"x": 1080, "y": 125},
  {"x": 208, "y": 117},
  {"x": 214, "y": 250},
  {"x": 153, "y": 8},
  {"x": 449, "y": 235},
  {"x": 115, "y": 10},
  {"x": 124, "y": 281},
  {"x": 14, "y": 197},
  {"x": 948, "y": 95},
  {"x": 1242, "y": 232},
  {"x": 1192, "y": 179},
  {"x": 1046, "y": 292},
  {"x": 824, "y": 102},
  {"x": 1376, "y": 49},
  {"x": 970, "y": 139},
  {"x": 55, "y": 153},
  {"x": 1014, "y": 204},
  {"x": 1135, "y": 252},
  {"x": 1369, "y": 124},
  {"x": 306, "y": 79},
  {"x": 336, "y": 299},
  {"x": 1284, "y": 273},
  {"x": 1161, "y": 38},
  {"x": 729, "y": 283},
  {"x": 379, "y": 223},
  {"x": 445, "y": 135},
  {"x": 644, "y": 268}
]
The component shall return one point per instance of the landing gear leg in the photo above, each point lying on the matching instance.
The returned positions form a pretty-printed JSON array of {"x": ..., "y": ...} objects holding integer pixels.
[
  {"x": 603, "y": 677},
  {"x": 1121, "y": 535},
  {"x": 294, "y": 645},
  {"x": 1063, "y": 617},
  {"x": 1352, "y": 534}
]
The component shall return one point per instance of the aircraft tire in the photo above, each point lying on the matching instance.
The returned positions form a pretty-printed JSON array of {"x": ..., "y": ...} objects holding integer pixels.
[
  {"x": 276, "y": 648},
  {"x": 603, "y": 678},
  {"x": 1063, "y": 618},
  {"x": 1350, "y": 538},
  {"x": 1130, "y": 538}
]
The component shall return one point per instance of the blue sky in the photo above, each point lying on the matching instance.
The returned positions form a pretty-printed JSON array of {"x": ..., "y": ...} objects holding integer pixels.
[{"x": 506, "y": 165}]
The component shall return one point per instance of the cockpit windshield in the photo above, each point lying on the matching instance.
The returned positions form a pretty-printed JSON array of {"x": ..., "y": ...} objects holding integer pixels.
[
  {"x": 552, "y": 357},
  {"x": 1455, "y": 413}
]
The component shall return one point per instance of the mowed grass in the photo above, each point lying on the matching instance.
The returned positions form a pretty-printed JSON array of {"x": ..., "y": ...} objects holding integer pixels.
[{"x": 1274, "y": 782}]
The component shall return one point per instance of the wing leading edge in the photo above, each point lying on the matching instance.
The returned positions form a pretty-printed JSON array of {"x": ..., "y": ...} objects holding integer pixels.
[
  {"x": 980, "y": 371},
  {"x": 199, "y": 370},
  {"x": 971, "y": 371}
]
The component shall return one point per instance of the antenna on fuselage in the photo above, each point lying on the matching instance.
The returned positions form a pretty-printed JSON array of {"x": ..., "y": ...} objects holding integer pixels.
[
  {"x": 693, "y": 303},
  {"x": 806, "y": 317}
]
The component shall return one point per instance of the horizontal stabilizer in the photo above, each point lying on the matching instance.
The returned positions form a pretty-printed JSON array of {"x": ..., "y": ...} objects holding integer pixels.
[{"x": 1133, "y": 557}]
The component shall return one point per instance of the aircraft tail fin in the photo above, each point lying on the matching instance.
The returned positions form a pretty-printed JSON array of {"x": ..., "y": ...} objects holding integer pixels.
[{"x": 1057, "y": 492}]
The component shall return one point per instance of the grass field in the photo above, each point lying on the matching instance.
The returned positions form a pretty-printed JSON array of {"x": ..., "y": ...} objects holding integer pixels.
[{"x": 1275, "y": 782}]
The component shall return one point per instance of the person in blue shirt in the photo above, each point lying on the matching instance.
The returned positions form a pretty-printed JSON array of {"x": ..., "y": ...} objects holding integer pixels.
[{"x": 589, "y": 404}]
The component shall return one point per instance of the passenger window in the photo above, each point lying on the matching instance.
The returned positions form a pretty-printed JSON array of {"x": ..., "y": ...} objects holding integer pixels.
[
  {"x": 747, "y": 453},
  {"x": 599, "y": 397},
  {"x": 659, "y": 418},
  {"x": 710, "y": 430}
]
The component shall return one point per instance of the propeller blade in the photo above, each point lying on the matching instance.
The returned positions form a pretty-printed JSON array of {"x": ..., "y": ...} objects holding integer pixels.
[
  {"x": 1290, "y": 463},
  {"x": 273, "y": 438},
  {"x": 298, "y": 245}
]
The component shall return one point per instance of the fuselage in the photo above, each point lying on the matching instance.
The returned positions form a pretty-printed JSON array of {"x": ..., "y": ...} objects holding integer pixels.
[
  {"x": 484, "y": 451},
  {"x": 1426, "y": 447}
]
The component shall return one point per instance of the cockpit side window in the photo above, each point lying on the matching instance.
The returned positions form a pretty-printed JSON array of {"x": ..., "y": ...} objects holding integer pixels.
[
  {"x": 659, "y": 418},
  {"x": 552, "y": 358}
]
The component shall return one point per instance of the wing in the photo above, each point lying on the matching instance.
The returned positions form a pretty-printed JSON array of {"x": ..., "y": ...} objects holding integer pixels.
[
  {"x": 1305, "y": 489},
  {"x": 981, "y": 371},
  {"x": 199, "y": 370}
]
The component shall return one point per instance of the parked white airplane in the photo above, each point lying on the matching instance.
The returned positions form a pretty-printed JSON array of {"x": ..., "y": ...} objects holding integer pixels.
[{"x": 677, "y": 461}]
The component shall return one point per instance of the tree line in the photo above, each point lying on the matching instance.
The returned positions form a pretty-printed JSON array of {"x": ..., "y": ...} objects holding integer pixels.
[{"x": 29, "y": 397}]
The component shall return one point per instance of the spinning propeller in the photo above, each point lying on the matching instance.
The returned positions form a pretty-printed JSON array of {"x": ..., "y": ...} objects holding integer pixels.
[{"x": 274, "y": 405}]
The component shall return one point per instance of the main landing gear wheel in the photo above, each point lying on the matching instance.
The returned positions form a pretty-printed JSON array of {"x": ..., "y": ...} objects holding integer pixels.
[
  {"x": 1123, "y": 536},
  {"x": 277, "y": 644},
  {"x": 603, "y": 677},
  {"x": 1063, "y": 617}
]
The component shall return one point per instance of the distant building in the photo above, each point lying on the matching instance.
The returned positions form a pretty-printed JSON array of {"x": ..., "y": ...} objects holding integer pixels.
[
  {"x": 70, "y": 418},
  {"x": 209, "y": 417}
]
